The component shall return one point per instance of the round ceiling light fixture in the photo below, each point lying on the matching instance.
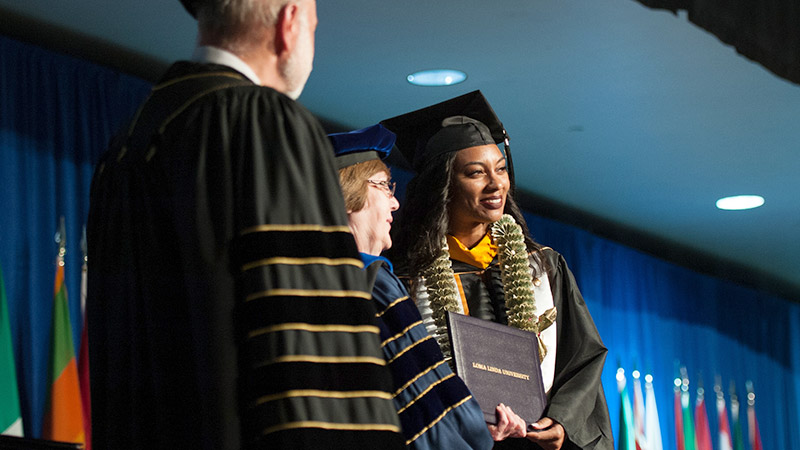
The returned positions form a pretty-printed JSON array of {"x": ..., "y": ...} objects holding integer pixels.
[
  {"x": 437, "y": 77},
  {"x": 740, "y": 202}
]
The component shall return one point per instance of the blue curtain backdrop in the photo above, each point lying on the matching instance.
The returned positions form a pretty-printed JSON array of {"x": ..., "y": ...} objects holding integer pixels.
[
  {"x": 656, "y": 316},
  {"x": 57, "y": 114}
]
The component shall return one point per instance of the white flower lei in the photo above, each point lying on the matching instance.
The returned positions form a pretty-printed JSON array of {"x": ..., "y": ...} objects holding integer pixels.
[{"x": 517, "y": 281}]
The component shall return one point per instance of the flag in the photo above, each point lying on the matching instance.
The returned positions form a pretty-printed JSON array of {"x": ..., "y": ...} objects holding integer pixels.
[
  {"x": 638, "y": 413},
  {"x": 752, "y": 422},
  {"x": 689, "y": 439},
  {"x": 738, "y": 440},
  {"x": 627, "y": 439},
  {"x": 722, "y": 420},
  {"x": 703, "y": 432},
  {"x": 63, "y": 419},
  {"x": 10, "y": 417},
  {"x": 652, "y": 427},
  {"x": 679, "y": 439},
  {"x": 683, "y": 413},
  {"x": 83, "y": 355}
]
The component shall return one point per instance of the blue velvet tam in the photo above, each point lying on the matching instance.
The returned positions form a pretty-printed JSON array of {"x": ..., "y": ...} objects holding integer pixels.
[{"x": 362, "y": 145}]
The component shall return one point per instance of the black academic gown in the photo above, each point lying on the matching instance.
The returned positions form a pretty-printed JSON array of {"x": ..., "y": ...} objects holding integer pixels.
[
  {"x": 576, "y": 400},
  {"x": 227, "y": 307}
]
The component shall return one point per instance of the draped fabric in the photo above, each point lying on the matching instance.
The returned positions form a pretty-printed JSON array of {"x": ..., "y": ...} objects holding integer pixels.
[
  {"x": 57, "y": 115},
  {"x": 658, "y": 316},
  {"x": 764, "y": 31}
]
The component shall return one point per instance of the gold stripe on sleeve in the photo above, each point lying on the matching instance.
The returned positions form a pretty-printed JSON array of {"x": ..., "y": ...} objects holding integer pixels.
[
  {"x": 308, "y": 293},
  {"x": 303, "y": 261},
  {"x": 296, "y": 227},
  {"x": 422, "y": 394},
  {"x": 391, "y": 305},
  {"x": 435, "y": 421},
  {"x": 315, "y": 329},
  {"x": 419, "y": 375},
  {"x": 401, "y": 353},
  {"x": 400, "y": 334},
  {"x": 324, "y": 360},
  {"x": 332, "y": 426},
  {"x": 320, "y": 393}
]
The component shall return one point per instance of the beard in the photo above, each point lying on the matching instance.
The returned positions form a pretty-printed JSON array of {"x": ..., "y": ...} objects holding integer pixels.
[{"x": 297, "y": 67}]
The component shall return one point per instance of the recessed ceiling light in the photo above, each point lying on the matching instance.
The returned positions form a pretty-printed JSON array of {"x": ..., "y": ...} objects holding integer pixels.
[
  {"x": 437, "y": 77},
  {"x": 740, "y": 202}
]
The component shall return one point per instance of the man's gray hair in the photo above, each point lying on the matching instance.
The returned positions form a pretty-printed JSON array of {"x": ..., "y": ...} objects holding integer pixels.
[{"x": 233, "y": 14}]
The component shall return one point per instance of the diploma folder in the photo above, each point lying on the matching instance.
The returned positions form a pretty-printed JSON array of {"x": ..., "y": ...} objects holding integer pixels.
[{"x": 499, "y": 364}]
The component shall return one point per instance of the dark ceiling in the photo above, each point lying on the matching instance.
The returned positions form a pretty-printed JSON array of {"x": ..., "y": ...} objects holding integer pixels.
[{"x": 628, "y": 121}]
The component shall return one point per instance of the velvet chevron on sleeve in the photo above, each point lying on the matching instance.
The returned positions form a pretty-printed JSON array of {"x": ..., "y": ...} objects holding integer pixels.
[
  {"x": 435, "y": 407},
  {"x": 227, "y": 301}
]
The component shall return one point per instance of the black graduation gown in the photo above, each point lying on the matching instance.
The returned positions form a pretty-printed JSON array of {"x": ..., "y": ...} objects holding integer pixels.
[
  {"x": 576, "y": 400},
  {"x": 227, "y": 307}
]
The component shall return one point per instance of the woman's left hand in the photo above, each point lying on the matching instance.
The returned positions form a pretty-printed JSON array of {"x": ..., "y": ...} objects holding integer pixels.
[{"x": 548, "y": 433}]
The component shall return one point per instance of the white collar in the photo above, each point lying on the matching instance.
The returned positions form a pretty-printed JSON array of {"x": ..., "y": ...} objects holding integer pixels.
[{"x": 216, "y": 55}]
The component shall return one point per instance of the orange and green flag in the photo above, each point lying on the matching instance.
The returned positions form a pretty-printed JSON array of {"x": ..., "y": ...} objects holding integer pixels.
[
  {"x": 10, "y": 417},
  {"x": 63, "y": 419}
]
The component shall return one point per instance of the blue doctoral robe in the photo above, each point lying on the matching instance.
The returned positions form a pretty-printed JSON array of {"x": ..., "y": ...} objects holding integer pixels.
[{"x": 436, "y": 409}]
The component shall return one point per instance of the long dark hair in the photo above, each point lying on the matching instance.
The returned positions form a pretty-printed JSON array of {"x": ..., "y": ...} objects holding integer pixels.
[{"x": 422, "y": 221}]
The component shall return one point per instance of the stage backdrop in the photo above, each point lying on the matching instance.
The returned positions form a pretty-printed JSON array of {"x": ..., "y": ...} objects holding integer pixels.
[{"x": 57, "y": 114}]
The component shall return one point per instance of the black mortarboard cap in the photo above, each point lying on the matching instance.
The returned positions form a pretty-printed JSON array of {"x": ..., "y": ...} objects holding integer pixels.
[
  {"x": 353, "y": 147},
  {"x": 190, "y": 6},
  {"x": 455, "y": 124}
]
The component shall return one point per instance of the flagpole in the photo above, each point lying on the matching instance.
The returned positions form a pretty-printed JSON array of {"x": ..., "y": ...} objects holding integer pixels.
[
  {"x": 752, "y": 424},
  {"x": 627, "y": 437},
  {"x": 702, "y": 430},
  {"x": 738, "y": 440},
  {"x": 63, "y": 418},
  {"x": 652, "y": 426},
  {"x": 61, "y": 240},
  {"x": 83, "y": 352},
  {"x": 690, "y": 441},
  {"x": 725, "y": 441},
  {"x": 638, "y": 412},
  {"x": 680, "y": 441}
]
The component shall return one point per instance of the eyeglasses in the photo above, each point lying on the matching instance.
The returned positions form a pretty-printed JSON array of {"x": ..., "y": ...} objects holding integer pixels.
[{"x": 386, "y": 186}]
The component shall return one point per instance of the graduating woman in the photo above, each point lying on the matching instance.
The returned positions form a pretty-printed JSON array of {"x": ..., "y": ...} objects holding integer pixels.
[
  {"x": 459, "y": 223},
  {"x": 436, "y": 409}
]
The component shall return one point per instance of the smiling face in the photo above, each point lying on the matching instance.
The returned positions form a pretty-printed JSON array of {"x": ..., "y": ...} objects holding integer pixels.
[
  {"x": 478, "y": 189},
  {"x": 372, "y": 223}
]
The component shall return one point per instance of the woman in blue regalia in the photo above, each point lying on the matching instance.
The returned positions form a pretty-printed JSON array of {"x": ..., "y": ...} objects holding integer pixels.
[{"x": 436, "y": 409}]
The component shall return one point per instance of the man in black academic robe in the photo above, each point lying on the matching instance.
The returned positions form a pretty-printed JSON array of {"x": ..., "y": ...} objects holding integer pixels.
[{"x": 227, "y": 307}]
